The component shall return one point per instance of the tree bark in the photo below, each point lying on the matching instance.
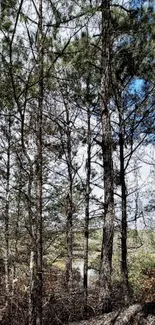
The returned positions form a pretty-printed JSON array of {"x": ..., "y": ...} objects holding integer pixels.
[
  {"x": 39, "y": 169},
  {"x": 108, "y": 233},
  {"x": 33, "y": 254},
  {"x": 87, "y": 203},
  {"x": 32, "y": 284},
  {"x": 7, "y": 208},
  {"x": 69, "y": 203},
  {"x": 124, "y": 267}
]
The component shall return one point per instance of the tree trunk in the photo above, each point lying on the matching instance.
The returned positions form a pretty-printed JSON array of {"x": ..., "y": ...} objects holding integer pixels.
[
  {"x": 87, "y": 203},
  {"x": 105, "y": 273},
  {"x": 33, "y": 254},
  {"x": 32, "y": 284},
  {"x": 14, "y": 270},
  {"x": 124, "y": 267},
  {"x": 7, "y": 207},
  {"x": 69, "y": 203},
  {"x": 39, "y": 164}
]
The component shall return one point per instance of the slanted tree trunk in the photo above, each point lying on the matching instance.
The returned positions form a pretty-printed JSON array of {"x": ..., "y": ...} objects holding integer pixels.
[{"x": 108, "y": 233}]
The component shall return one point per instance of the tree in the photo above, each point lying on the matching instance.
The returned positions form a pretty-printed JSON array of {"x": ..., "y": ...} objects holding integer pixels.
[
  {"x": 39, "y": 167},
  {"x": 54, "y": 135},
  {"x": 108, "y": 230},
  {"x": 133, "y": 108}
]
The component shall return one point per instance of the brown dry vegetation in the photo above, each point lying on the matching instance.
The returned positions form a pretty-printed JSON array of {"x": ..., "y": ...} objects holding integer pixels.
[{"x": 60, "y": 307}]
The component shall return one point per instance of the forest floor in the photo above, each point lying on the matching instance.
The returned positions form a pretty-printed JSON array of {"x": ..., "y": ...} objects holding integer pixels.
[{"x": 134, "y": 315}]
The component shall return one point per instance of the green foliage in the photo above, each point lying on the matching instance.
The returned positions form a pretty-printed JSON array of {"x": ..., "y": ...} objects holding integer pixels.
[{"x": 138, "y": 263}]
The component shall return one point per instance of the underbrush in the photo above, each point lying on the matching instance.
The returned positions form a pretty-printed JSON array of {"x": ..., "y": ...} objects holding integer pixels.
[{"x": 59, "y": 305}]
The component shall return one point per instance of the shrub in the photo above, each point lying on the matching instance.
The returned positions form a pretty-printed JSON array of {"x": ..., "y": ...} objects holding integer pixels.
[{"x": 138, "y": 265}]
